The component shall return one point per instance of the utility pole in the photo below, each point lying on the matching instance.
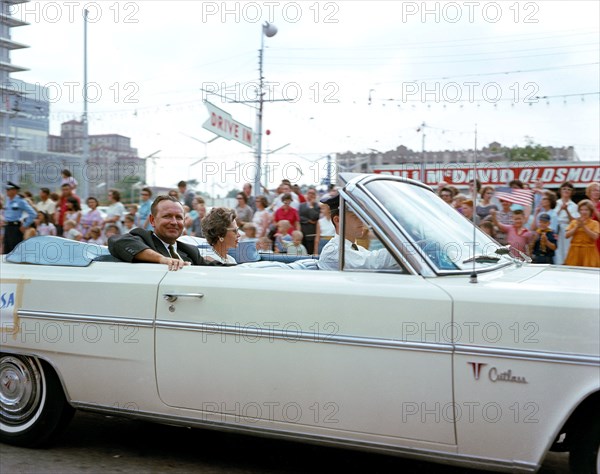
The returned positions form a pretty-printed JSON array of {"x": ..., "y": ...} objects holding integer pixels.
[
  {"x": 269, "y": 30},
  {"x": 86, "y": 135},
  {"x": 422, "y": 173}
]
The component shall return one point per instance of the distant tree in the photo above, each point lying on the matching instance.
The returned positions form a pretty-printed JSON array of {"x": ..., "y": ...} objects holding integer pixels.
[
  {"x": 125, "y": 187},
  {"x": 530, "y": 152},
  {"x": 233, "y": 193}
]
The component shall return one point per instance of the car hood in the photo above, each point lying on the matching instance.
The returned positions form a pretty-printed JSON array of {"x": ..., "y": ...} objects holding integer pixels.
[{"x": 534, "y": 307}]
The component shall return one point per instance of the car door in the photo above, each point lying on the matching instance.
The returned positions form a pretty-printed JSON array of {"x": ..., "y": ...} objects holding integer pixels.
[{"x": 356, "y": 354}]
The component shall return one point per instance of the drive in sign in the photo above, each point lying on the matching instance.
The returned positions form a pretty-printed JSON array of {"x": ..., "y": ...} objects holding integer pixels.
[{"x": 223, "y": 124}]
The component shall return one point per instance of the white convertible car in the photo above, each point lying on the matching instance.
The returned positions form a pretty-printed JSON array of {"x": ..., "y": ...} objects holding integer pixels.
[{"x": 458, "y": 353}]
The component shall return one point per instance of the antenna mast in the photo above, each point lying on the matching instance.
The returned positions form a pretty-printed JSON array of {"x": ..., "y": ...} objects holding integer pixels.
[{"x": 473, "y": 278}]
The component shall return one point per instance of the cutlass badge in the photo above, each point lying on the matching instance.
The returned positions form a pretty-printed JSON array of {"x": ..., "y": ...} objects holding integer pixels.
[{"x": 494, "y": 375}]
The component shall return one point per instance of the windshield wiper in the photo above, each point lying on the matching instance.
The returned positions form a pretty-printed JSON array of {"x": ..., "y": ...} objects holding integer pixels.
[
  {"x": 483, "y": 259},
  {"x": 506, "y": 251}
]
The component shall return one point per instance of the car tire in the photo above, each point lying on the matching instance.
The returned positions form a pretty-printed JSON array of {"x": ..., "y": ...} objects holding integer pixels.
[
  {"x": 584, "y": 457},
  {"x": 33, "y": 407}
]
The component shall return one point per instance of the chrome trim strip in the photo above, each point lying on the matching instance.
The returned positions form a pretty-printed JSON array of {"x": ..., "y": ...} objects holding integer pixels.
[
  {"x": 402, "y": 451},
  {"x": 80, "y": 318},
  {"x": 527, "y": 355},
  {"x": 216, "y": 328}
]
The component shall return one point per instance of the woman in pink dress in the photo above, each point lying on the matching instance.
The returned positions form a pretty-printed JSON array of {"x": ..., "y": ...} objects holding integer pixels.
[{"x": 91, "y": 218}]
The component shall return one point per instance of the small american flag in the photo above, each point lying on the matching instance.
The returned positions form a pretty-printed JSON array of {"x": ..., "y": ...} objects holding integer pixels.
[{"x": 523, "y": 197}]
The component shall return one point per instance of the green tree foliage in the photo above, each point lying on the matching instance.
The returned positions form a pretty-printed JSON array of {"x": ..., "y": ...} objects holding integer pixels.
[
  {"x": 128, "y": 193},
  {"x": 530, "y": 152}
]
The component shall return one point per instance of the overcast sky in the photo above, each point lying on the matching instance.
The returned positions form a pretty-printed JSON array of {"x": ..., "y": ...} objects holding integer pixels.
[{"x": 358, "y": 75}]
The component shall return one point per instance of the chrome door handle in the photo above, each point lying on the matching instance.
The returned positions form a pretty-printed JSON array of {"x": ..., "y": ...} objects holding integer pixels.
[{"x": 171, "y": 297}]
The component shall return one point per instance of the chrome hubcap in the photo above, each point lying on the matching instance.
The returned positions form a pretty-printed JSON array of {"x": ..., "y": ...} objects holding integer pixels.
[{"x": 20, "y": 389}]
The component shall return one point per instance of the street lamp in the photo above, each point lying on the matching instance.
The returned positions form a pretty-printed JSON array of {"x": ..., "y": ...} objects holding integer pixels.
[{"x": 269, "y": 30}]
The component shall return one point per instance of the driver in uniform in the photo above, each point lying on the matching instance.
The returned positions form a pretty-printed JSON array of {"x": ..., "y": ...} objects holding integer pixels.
[{"x": 355, "y": 256}]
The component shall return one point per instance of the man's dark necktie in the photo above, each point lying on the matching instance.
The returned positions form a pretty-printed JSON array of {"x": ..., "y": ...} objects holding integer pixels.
[{"x": 173, "y": 253}]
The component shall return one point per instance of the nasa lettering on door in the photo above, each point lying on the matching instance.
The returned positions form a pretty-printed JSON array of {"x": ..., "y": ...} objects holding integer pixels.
[{"x": 10, "y": 297}]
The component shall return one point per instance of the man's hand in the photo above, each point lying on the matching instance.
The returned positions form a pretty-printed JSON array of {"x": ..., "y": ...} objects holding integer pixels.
[{"x": 173, "y": 264}]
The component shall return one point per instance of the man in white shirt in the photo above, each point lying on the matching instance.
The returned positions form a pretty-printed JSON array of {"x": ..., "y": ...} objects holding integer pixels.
[
  {"x": 355, "y": 256},
  {"x": 286, "y": 189},
  {"x": 46, "y": 204}
]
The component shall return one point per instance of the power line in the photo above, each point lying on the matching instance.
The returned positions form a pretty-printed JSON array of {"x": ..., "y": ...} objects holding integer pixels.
[{"x": 498, "y": 73}]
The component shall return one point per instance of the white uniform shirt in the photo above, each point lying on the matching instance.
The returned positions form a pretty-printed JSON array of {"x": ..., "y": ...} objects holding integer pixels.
[{"x": 354, "y": 259}]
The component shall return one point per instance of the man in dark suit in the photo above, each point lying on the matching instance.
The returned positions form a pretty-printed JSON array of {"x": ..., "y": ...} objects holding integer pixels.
[{"x": 160, "y": 245}]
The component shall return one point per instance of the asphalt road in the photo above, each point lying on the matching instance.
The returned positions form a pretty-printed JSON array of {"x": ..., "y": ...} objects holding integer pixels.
[{"x": 98, "y": 443}]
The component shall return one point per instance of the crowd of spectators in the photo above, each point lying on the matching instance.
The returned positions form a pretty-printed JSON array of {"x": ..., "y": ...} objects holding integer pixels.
[
  {"x": 549, "y": 230},
  {"x": 553, "y": 229}
]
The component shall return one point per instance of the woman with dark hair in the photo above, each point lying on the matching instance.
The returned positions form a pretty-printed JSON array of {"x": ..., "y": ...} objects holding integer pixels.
[
  {"x": 43, "y": 224},
  {"x": 222, "y": 233},
  {"x": 566, "y": 211},
  {"x": 91, "y": 218},
  {"x": 583, "y": 233},
  {"x": 485, "y": 205},
  {"x": 73, "y": 212},
  {"x": 547, "y": 205}
]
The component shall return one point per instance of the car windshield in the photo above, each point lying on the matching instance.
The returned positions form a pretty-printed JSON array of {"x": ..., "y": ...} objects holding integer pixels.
[{"x": 443, "y": 235}]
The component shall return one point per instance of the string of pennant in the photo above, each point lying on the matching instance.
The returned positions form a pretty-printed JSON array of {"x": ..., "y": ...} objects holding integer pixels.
[{"x": 411, "y": 104}]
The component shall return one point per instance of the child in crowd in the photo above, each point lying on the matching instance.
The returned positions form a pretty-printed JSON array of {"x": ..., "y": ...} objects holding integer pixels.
[
  {"x": 504, "y": 215},
  {"x": 517, "y": 235},
  {"x": 67, "y": 178},
  {"x": 457, "y": 202},
  {"x": 110, "y": 230},
  {"x": 264, "y": 245},
  {"x": 543, "y": 244},
  {"x": 466, "y": 209},
  {"x": 295, "y": 247},
  {"x": 44, "y": 226},
  {"x": 249, "y": 230},
  {"x": 96, "y": 236},
  {"x": 70, "y": 232},
  {"x": 129, "y": 223},
  {"x": 488, "y": 228},
  {"x": 282, "y": 236},
  {"x": 132, "y": 210}
]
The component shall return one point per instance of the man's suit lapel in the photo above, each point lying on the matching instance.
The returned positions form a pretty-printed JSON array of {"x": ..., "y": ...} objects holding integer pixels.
[{"x": 159, "y": 246}]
